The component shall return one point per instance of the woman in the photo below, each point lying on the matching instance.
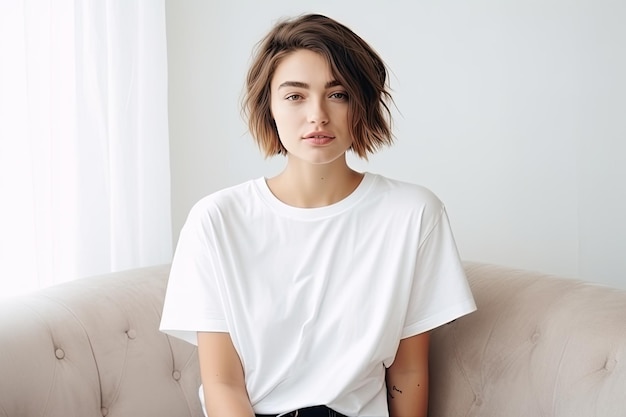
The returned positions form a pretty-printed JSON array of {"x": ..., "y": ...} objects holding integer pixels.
[{"x": 312, "y": 293}]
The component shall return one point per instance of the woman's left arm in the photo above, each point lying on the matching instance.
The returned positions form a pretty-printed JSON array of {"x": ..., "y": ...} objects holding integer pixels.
[{"x": 407, "y": 378}]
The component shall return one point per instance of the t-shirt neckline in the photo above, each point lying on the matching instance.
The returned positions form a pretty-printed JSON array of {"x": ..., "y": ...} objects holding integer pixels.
[{"x": 317, "y": 212}]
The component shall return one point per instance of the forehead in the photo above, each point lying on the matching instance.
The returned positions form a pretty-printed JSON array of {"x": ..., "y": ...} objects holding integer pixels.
[{"x": 303, "y": 66}]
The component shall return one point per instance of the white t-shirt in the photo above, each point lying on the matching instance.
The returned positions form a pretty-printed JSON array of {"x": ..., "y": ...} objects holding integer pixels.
[{"x": 316, "y": 300}]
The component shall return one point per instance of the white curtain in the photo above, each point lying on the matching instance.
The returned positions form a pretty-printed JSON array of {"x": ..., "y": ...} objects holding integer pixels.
[{"x": 84, "y": 153}]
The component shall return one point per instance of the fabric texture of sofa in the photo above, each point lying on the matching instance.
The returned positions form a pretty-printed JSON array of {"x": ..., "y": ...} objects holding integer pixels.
[{"x": 538, "y": 345}]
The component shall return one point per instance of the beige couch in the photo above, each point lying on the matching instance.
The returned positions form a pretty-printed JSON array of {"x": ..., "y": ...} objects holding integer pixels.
[{"x": 538, "y": 346}]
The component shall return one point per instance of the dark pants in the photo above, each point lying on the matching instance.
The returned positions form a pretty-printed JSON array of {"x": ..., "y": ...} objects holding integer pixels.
[{"x": 317, "y": 411}]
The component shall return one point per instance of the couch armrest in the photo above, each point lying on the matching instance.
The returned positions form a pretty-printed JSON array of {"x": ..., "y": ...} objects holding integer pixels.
[
  {"x": 92, "y": 347},
  {"x": 538, "y": 345}
]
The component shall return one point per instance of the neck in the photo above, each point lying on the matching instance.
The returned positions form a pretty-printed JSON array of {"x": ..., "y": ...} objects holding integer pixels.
[{"x": 310, "y": 186}]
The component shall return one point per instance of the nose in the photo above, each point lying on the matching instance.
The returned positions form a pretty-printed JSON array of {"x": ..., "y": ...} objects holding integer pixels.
[{"x": 318, "y": 114}]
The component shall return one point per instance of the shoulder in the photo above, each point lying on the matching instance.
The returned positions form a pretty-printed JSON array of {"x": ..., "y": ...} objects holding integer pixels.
[
  {"x": 407, "y": 195},
  {"x": 229, "y": 200}
]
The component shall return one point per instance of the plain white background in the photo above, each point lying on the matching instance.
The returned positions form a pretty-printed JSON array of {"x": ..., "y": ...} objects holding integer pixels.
[{"x": 513, "y": 112}]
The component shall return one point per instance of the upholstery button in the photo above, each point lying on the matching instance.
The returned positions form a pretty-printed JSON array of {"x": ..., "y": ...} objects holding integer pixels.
[
  {"x": 104, "y": 411},
  {"x": 176, "y": 375},
  {"x": 59, "y": 353},
  {"x": 478, "y": 400},
  {"x": 535, "y": 337},
  {"x": 131, "y": 334},
  {"x": 610, "y": 364}
]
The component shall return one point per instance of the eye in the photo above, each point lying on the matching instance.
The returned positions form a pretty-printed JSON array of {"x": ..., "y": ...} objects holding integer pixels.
[
  {"x": 339, "y": 95},
  {"x": 293, "y": 97}
]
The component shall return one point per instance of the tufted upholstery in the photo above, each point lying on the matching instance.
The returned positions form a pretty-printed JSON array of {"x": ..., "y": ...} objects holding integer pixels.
[
  {"x": 91, "y": 348},
  {"x": 537, "y": 346}
]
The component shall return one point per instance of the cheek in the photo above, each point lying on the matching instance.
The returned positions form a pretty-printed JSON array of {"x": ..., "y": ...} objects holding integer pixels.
[
  {"x": 279, "y": 119},
  {"x": 281, "y": 124},
  {"x": 284, "y": 118},
  {"x": 277, "y": 111}
]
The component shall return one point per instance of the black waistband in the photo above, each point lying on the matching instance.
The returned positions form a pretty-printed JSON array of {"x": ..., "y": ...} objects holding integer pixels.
[{"x": 316, "y": 411}]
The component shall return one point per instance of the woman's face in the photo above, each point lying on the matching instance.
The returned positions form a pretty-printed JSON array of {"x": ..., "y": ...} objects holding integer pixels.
[{"x": 310, "y": 109}]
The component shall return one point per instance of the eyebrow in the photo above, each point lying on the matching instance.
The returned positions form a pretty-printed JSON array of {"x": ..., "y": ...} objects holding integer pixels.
[{"x": 299, "y": 84}]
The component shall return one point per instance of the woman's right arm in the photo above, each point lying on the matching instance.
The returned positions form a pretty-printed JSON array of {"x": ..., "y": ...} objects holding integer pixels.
[{"x": 222, "y": 376}]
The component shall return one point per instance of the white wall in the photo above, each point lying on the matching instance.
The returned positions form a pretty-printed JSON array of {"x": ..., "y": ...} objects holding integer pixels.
[{"x": 512, "y": 111}]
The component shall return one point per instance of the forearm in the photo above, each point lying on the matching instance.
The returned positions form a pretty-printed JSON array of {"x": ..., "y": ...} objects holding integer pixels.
[
  {"x": 226, "y": 400},
  {"x": 407, "y": 394},
  {"x": 223, "y": 380},
  {"x": 407, "y": 378}
]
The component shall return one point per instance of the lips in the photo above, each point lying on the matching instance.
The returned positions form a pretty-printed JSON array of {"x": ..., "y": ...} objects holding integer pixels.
[{"x": 319, "y": 137}]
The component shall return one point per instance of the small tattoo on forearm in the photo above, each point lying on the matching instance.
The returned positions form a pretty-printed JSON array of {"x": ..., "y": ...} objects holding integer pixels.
[{"x": 391, "y": 391}]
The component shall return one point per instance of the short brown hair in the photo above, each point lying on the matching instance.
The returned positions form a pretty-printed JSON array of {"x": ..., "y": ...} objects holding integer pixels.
[{"x": 353, "y": 63}]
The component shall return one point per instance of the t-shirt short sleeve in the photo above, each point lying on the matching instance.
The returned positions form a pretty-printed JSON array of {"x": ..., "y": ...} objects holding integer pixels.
[
  {"x": 192, "y": 301},
  {"x": 440, "y": 292}
]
